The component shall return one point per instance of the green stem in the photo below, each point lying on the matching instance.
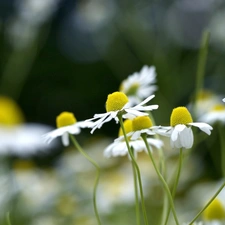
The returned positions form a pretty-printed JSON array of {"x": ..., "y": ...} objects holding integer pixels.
[
  {"x": 137, "y": 170},
  {"x": 176, "y": 181},
  {"x": 136, "y": 195},
  {"x": 165, "y": 185},
  {"x": 201, "y": 63},
  {"x": 222, "y": 149},
  {"x": 76, "y": 144},
  {"x": 209, "y": 202},
  {"x": 8, "y": 219}
]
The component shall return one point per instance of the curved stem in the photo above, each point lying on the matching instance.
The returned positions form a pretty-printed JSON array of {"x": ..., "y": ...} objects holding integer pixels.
[
  {"x": 137, "y": 170},
  {"x": 165, "y": 185},
  {"x": 136, "y": 195},
  {"x": 208, "y": 203},
  {"x": 76, "y": 144},
  {"x": 176, "y": 181},
  {"x": 8, "y": 219}
]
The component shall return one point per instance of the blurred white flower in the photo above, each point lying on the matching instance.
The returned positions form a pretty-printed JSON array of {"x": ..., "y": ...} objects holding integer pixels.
[
  {"x": 23, "y": 140},
  {"x": 139, "y": 85},
  {"x": 216, "y": 114}
]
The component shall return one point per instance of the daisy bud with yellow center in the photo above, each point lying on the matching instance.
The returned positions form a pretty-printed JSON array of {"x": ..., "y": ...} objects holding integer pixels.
[
  {"x": 127, "y": 127},
  {"x": 65, "y": 119},
  {"x": 118, "y": 107},
  {"x": 180, "y": 115},
  {"x": 116, "y": 101},
  {"x": 141, "y": 122},
  {"x": 180, "y": 129},
  {"x": 215, "y": 211},
  {"x": 66, "y": 124}
]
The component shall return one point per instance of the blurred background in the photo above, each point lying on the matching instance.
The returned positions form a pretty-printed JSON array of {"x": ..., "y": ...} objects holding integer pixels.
[{"x": 68, "y": 55}]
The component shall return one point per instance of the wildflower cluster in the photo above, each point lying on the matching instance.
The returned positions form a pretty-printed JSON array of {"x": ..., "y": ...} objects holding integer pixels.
[{"x": 138, "y": 132}]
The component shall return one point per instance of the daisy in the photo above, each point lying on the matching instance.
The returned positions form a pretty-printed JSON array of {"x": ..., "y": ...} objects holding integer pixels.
[
  {"x": 139, "y": 85},
  {"x": 180, "y": 129},
  {"x": 216, "y": 114},
  {"x": 119, "y": 147},
  {"x": 17, "y": 137},
  {"x": 118, "y": 104},
  {"x": 224, "y": 100},
  {"x": 215, "y": 212},
  {"x": 66, "y": 124}
]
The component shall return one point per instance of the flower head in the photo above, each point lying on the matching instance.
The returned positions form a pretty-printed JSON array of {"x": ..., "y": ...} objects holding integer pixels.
[
  {"x": 117, "y": 103},
  {"x": 216, "y": 114},
  {"x": 180, "y": 129},
  {"x": 66, "y": 124},
  {"x": 119, "y": 147},
  {"x": 16, "y": 137},
  {"x": 215, "y": 211},
  {"x": 139, "y": 85}
]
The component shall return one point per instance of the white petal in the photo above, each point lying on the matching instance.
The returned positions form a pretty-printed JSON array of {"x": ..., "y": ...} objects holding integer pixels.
[
  {"x": 136, "y": 135},
  {"x": 186, "y": 138},
  {"x": 146, "y": 100},
  {"x": 65, "y": 139},
  {"x": 203, "y": 126}
]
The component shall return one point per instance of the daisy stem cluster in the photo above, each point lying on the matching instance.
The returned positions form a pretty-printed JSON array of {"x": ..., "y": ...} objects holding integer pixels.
[
  {"x": 76, "y": 144},
  {"x": 137, "y": 170},
  {"x": 208, "y": 203},
  {"x": 165, "y": 185}
]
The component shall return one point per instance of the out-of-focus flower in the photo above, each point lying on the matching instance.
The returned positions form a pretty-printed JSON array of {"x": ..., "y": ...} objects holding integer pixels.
[
  {"x": 66, "y": 124},
  {"x": 30, "y": 16},
  {"x": 118, "y": 103},
  {"x": 139, "y": 85},
  {"x": 17, "y": 137},
  {"x": 205, "y": 101},
  {"x": 224, "y": 100},
  {"x": 180, "y": 129},
  {"x": 119, "y": 147},
  {"x": 216, "y": 114},
  {"x": 215, "y": 212}
]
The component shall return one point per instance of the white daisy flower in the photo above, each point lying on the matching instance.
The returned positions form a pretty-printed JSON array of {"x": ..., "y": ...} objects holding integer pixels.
[
  {"x": 119, "y": 147},
  {"x": 23, "y": 139},
  {"x": 224, "y": 100},
  {"x": 206, "y": 99},
  {"x": 17, "y": 137},
  {"x": 216, "y": 114},
  {"x": 67, "y": 124},
  {"x": 139, "y": 85},
  {"x": 180, "y": 131},
  {"x": 117, "y": 103}
]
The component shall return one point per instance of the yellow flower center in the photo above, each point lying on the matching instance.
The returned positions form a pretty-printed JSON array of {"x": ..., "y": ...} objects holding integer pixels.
[
  {"x": 65, "y": 119},
  {"x": 127, "y": 126},
  {"x": 116, "y": 101},
  {"x": 141, "y": 122},
  {"x": 10, "y": 113},
  {"x": 204, "y": 95},
  {"x": 180, "y": 115},
  {"x": 218, "y": 107},
  {"x": 215, "y": 211}
]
